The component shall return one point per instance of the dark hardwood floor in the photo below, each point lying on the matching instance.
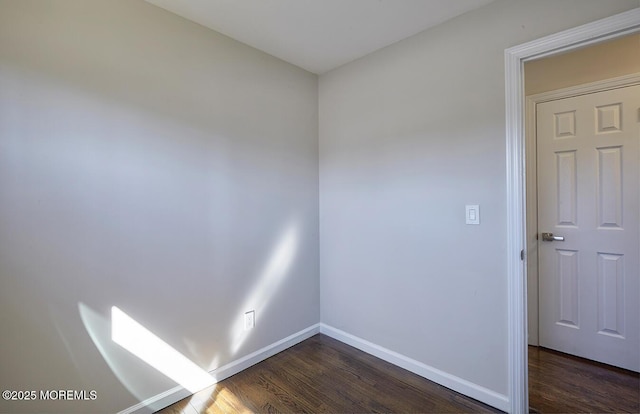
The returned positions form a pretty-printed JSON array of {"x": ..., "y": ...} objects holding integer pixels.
[
  {"x": 561, "y": 383},
  {"x": 322, "y": 375}
]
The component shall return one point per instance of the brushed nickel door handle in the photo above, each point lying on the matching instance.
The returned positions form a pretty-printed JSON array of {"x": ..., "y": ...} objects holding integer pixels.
[{"x": 551, "y": 237}]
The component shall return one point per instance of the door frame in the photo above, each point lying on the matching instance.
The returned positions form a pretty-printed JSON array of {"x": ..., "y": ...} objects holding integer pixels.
[
  {"x": 531, "y": 139},
  {"x": 609, "y": 28}
]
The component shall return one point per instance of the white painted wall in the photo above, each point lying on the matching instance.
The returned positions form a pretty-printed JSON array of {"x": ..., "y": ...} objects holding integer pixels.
[
  {"x": 408, "y": 136},
  {"x": 149, "y": 163}
]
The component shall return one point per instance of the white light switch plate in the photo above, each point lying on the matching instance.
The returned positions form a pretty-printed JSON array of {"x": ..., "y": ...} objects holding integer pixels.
[{"x": 472, "y": 214}]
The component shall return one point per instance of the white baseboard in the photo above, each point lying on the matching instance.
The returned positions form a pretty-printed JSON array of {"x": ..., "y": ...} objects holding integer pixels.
[
  {"x": 178, "y": 393},
  {"x": 243, "y": 363},
  {"x": 457, "y": 384}
]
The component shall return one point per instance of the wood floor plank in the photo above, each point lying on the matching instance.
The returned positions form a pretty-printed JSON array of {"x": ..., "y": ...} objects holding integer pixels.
[
  {"x": 560, "y": 383},
  {"x": 323, "y": 375}
]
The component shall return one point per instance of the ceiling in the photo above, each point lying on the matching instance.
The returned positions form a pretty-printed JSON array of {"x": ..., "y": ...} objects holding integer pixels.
[{"x": 319, "y": 35}]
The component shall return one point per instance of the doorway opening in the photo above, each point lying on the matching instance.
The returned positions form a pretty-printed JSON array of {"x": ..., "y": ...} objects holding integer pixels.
[
  {"x": 563, "y": 302},
  {"x": 517, "y": 236}
]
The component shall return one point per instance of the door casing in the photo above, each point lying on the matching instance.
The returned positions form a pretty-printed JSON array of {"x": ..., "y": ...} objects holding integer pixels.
[{"x": 609, "y": 28}]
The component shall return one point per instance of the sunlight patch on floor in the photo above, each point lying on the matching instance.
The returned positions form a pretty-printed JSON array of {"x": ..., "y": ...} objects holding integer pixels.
[{"x": 213, "y": 400}]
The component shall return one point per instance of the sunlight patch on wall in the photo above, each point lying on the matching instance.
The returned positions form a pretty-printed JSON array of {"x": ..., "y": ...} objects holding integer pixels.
[
  {"x": 271, "y": 277},
  {"x": 138, "y": 340},
  {"x": 119, "y": 361}
]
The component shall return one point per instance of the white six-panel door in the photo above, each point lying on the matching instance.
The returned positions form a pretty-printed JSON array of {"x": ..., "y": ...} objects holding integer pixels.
[{"x": 588, "y": 193}]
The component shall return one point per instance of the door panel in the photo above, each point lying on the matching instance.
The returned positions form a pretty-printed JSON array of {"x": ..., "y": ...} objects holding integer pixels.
[{"x": 588, "y": 193}]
